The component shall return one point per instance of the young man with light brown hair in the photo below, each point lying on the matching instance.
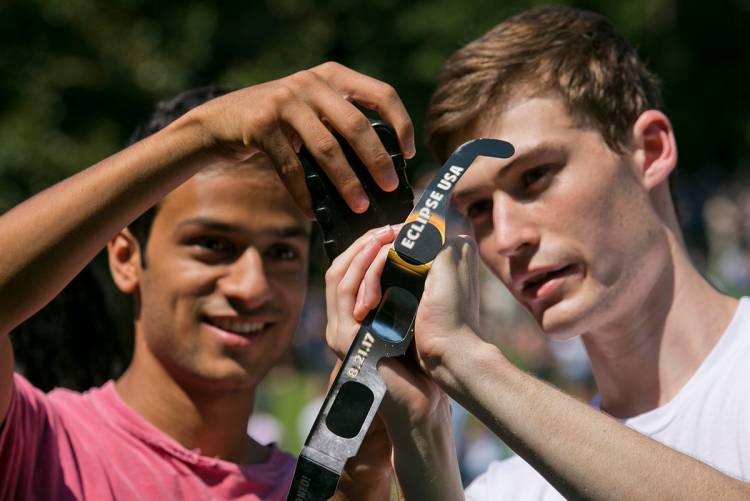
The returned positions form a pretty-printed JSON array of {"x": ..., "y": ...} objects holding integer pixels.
[{"x": 580, "y": 226}]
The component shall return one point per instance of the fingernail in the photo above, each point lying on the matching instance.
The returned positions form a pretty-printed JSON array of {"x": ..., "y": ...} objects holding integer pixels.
[
  {"x": 391, "y": 181},
  {"x": 382, "y": 231},
  {"x": 361, "y": 202},
  {"x": 411, "y": 150},
  {"x": 358, "y": 305}
]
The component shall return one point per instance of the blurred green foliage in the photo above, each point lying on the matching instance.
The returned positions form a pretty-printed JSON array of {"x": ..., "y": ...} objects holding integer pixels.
[{"x": 77, "y": 76}]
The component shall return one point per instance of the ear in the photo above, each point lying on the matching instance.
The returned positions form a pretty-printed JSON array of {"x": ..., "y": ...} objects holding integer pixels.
[
  {"x": 655, "y": 148},
  {"x": 125, "y": 261}
]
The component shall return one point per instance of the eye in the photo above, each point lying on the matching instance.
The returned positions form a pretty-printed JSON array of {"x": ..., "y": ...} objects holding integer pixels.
[
  {"x": 283, "y": 252},
  {"x": 534, "y": 175},
  {"x": 479, "y": 208},
  {"x": 214, "y": 245}
]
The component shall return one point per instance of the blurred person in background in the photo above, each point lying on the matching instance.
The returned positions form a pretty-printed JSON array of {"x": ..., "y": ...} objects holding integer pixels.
[
  {"x": 580, "y": 226},
  {"x": 727, "y": 217},
  {"x": 217, "y": 264}
]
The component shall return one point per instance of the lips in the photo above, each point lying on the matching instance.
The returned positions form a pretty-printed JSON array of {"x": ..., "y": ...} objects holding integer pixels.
[
  {"x": 240, "y": 326},
  {"x": 537, "y": 283}
]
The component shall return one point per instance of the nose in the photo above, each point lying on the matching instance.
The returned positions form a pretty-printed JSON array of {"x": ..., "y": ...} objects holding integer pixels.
[
  {"x": 246, "y": 282},
  {"x": 513, "y": 228}
]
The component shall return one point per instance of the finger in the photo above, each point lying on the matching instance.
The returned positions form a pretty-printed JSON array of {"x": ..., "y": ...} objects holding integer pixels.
[
  {"x": 338, "y": 267},
  {"x": 277, "y": 147},
  {"x": 333, "y": 277},
  {"x": 369, "y": 293},
  {"x": 356, "y": 130},
  {"x": 326, "y": 150},
  {"x": 349, "y": 285},
  {"x": 336, "y": 271},
  {"x": 451, "y": 295},
  {"x": 463, "y": 254},
  {"x": 449, "y": 258},
  {"x": 334, "y": 372},
  {"x": 340, "y": 323},
  {"x": 469, "y": 276},
  {"x": 375, "y": 95}
]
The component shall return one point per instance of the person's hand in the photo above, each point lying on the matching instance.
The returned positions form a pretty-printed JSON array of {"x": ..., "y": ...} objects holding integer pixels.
[
  {"x": 276, "y": 117},
  {"x": 447, "y": 322},
  {"x": 415, "y": 411},
  {"x": 347, "y": 298},
  {"x": 352, "y": 290},
  {"x": 447, "y": 319}
]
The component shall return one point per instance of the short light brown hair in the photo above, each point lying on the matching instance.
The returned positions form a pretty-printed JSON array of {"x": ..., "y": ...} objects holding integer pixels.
[{"x": 574, "y": 54}]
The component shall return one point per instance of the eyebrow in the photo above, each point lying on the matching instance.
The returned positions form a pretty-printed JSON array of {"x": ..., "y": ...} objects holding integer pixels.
[
  {"x": 546, "y": 148},
  {"x": 286, "y": 231}
]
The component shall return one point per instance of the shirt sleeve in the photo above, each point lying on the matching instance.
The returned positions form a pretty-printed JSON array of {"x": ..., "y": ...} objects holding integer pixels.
[
  {"x": 512, "y": 479},
  {"x": 21, "y": 436}
]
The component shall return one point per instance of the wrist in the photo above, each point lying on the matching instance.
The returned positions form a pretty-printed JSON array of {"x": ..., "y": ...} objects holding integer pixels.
[
  {"x": 425, "y": 460},
  {"x": 425, "y": 426},
  {"x": 205, "y": 142},
  {"x": 464, "y": 360}
]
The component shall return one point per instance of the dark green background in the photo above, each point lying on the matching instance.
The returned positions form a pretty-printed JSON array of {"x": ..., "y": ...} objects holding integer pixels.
[{"x": 77, "y": 76}]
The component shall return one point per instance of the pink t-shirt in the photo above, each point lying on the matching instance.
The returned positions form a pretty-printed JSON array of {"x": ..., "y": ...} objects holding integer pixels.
[{"x": 69, "y": 445}]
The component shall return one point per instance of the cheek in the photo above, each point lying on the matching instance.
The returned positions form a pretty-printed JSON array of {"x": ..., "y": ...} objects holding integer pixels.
[
  {"x": 157, "y": 297},
  {"x": 193, "y": 278},
  {"x": 485, "y": 250},
  {"x": 496, "y": 263},
  {"x": 617, "y": 232},
  {"x": 171, "y": 297},
  {"x": 291, "y": 291},
  {"x": 482, "y": 229}
]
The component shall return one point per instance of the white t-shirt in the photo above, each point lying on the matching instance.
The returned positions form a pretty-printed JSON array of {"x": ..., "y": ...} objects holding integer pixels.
[{"x": 709, "y": 419}]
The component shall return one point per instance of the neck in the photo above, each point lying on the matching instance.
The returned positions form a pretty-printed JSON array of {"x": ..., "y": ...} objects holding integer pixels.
[
  {"x": 212, "y": 421},
  {"x": 641, "y": 362}
]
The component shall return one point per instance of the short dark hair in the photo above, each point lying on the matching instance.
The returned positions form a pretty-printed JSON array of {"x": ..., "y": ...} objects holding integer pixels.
[
  {"x": 166, "y": 112},
  {"x": 571, "y": 53}
]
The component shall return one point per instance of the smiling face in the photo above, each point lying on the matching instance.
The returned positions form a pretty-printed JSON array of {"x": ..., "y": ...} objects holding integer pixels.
[
  {"x": 566, "y": 224},
  {"x": 225, "y": 277}
]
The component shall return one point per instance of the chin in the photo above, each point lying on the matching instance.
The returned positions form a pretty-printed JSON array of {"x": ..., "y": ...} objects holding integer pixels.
[
  {"x": 564, "y": 320},
  {"x": 223, "y": 376}
]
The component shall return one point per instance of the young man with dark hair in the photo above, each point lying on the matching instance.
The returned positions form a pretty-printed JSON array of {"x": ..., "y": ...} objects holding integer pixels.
[
  {"x": 580, "y": 226},
  {"x": 218, "y": 272}
]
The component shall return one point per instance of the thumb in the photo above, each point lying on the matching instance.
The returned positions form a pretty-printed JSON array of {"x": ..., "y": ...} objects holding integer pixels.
[{"x": 466, "y": 260}]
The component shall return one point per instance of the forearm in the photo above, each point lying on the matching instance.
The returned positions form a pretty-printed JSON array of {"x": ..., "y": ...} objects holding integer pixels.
[
  {"x": 424, "y": 457},
  {"x": 584, "y": 453},
  {"x": 421, "y": 453},
  {"x": 424, "y": 463},
  {"x": 49, "y": 238}
]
